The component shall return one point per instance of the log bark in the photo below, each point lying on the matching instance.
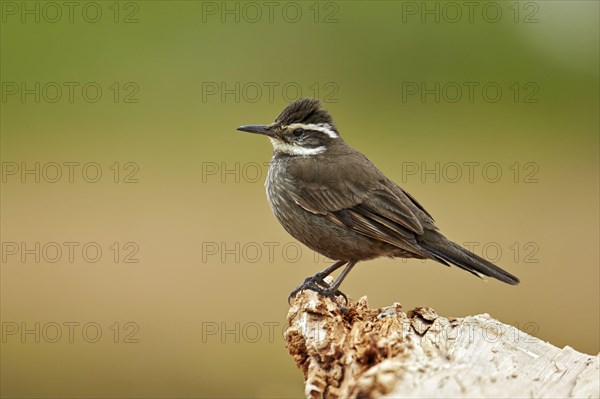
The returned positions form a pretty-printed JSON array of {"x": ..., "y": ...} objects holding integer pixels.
[{"x": 375, "y": 353}]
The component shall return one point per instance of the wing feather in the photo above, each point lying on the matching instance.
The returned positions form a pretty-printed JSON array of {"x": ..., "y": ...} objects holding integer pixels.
[{"x": 376, "y": 208}]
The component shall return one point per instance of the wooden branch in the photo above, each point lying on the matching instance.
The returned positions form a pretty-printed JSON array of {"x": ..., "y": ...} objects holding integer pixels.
[{"x": 374, "y": 353}]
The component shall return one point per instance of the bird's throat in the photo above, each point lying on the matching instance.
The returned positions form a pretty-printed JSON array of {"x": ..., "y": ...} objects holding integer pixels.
[{"x": 292, "y": 149}]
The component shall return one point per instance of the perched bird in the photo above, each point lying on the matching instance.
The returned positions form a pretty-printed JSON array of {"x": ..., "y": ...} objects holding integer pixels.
[{"x": 334, "y": 200}]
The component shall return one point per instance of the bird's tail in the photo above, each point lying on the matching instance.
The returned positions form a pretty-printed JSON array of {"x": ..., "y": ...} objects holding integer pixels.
[{"x": 444, "y": 250}]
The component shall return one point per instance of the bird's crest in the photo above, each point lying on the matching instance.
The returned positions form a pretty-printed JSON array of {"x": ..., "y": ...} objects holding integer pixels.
[{"x": 306, "y": 111}]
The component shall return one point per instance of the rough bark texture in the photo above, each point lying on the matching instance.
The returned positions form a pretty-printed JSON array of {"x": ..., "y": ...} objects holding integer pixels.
[{"x": 374, "y": 353}]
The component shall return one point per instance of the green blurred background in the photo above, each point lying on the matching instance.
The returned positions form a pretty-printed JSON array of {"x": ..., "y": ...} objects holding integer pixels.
[{"x": 206, "y": 299}]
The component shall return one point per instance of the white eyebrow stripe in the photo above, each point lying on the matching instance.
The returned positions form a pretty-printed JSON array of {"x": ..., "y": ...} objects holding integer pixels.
[
  {"x": 320, "y": 127},
  {"x": 295, "y": 149}
]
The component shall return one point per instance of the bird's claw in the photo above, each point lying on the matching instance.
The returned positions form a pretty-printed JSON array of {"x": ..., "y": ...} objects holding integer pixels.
[
  {"x": 310, "y": 283},
  {"x": 317, "y": 284}
]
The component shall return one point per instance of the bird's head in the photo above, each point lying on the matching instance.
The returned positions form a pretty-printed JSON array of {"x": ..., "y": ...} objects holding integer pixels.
[{"x": 302, "y": 129}]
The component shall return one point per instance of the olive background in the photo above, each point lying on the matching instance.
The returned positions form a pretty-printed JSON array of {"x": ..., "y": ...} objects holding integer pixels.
[{"x": 202, "y": 311}]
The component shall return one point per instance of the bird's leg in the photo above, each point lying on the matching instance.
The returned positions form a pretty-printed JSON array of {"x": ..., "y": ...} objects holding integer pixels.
[
  {"x": 333, "y": 290},
  {"x": 320, "y": 277},
  {"x": 317, "y": 282},
  {"x": 336, "y": 284}
]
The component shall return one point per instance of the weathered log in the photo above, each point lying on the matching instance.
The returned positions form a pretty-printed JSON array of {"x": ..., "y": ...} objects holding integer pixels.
[{"x": 374, "y": 353}]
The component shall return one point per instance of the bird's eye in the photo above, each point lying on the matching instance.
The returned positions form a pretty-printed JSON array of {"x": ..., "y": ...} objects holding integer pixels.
[{"x": 298, "y": 132}]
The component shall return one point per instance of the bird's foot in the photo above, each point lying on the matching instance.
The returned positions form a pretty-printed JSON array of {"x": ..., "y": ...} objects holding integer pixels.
[{"x": 318, "y": 284}]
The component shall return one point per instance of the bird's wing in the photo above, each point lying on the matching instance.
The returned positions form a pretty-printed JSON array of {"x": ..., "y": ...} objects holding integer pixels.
[{"x": 376, "y": 208}]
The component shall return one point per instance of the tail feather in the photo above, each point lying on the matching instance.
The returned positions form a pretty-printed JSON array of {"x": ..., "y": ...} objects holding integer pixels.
[{"x": 444, "y": 250}]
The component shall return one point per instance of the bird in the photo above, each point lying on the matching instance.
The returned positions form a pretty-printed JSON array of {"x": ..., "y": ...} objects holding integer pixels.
[{"x": 335, "y": 201}]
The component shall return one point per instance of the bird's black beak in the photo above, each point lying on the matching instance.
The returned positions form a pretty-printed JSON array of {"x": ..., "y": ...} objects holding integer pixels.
[{"x": 258, "y": 129}]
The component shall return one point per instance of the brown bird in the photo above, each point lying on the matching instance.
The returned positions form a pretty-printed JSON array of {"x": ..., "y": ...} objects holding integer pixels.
[{"x": 334, "y": 200}]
